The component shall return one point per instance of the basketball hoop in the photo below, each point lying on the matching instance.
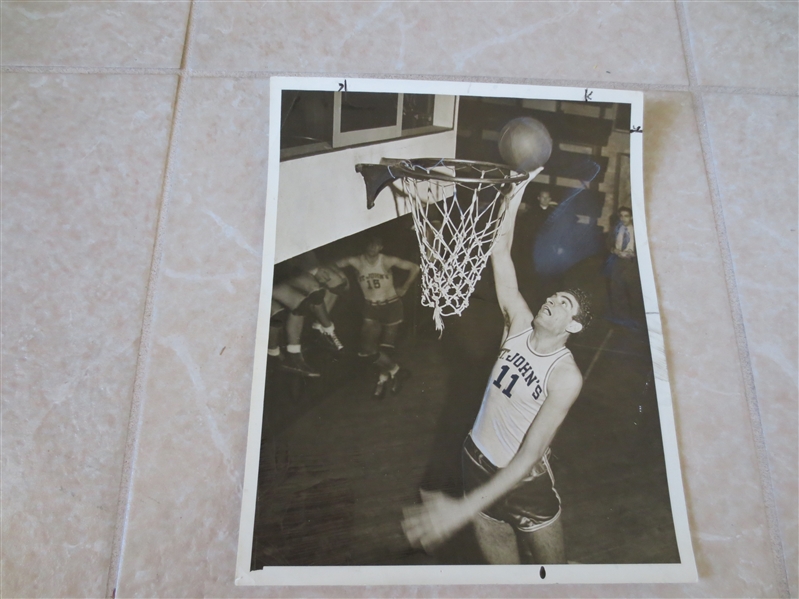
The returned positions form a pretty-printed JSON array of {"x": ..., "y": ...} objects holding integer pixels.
[{"x": 458, "y": 208}]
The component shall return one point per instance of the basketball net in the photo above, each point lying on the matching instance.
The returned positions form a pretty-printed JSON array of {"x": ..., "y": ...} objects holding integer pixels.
[{"x": 457, "y": 223}]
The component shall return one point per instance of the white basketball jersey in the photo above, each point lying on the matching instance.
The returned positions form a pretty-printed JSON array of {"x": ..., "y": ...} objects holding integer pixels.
[
  {"x": 376, "y": 280},
  {"x": 515, "y": 392}
]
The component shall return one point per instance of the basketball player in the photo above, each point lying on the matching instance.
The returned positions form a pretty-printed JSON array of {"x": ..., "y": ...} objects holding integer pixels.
[
  {"x": 336, "y": 284},
  {"x": 299, "y": 296},
  {"x": 289, "y": 306},
  {"x": 509, "y": 492},
  {"x": 383, "y": 312},
  {"x": 309, "y": 277}
]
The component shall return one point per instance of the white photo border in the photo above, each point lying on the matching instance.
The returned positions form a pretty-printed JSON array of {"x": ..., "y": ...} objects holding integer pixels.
[{"x": 685, "y": 571}]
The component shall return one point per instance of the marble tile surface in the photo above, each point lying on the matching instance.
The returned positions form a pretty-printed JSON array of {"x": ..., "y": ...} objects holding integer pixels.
[
  {"x": 747, "y": 44},
  {"x": 188, "y": 478},
  {"x": 83, "y": 159},
  {"x": 93, "y": 34},
  {"x": 727, "y": 516},
  {"x": 563, "y": 40},
  {"x": 757, "y": 179}
]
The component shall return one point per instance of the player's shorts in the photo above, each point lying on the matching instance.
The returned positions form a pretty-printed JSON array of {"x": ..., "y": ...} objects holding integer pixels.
[
  {"x": 386, "y": 313},
  {"x": 529, "y": 506},
  {"x": 306, "y": 306}
]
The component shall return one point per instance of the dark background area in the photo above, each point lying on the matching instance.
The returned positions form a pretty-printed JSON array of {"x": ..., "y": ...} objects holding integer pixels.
[{"x": 337, "y": 467}]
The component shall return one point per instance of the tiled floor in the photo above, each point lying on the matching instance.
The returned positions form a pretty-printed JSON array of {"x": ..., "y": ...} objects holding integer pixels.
[{"x": 134, "y": 140}]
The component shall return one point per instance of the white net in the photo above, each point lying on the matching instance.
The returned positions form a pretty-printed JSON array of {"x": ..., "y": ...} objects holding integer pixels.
[{"x": 458, "y": 209}]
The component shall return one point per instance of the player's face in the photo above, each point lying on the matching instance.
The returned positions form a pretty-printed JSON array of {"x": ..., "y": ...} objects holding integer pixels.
[
  {"x": 544, "y": 199},
  {"x": 558, "y": 312},
  {"x": 373, "y": 249},
  {"x": 626, "y": 218}
]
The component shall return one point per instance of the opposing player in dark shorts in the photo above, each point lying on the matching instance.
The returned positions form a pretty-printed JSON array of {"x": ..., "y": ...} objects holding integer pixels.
[
  {"x": 509, "y": 492},
  {"x": 290, "y": 305},
  {"x": 383, "y": 312},
  {"x": 299, "y": 295}
]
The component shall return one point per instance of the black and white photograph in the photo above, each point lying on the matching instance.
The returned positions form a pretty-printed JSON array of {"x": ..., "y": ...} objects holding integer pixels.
[{"x": 459, "y": 357}]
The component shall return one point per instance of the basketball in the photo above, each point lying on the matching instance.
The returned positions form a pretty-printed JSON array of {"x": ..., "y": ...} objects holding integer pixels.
[{"x": 525, "y": 144}]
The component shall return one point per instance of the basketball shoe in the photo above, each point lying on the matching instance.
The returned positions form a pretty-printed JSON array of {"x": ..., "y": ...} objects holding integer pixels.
[
  {"x": 296, "y": 363},
  {"x": 398, "y": 379},
  {"x": 329, "y": 336}
]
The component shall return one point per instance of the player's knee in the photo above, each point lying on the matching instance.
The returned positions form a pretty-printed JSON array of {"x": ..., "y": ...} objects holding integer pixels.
[
  {"x": 306, "y": 307},
  {"x": 316, "y": 298},
  {"x": 278, "y": 319}
]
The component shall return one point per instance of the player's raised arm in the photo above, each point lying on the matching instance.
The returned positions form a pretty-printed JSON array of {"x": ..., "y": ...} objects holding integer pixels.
[
  {"x": 517, "y": 314},
  {"x": 440, "y": 516}
]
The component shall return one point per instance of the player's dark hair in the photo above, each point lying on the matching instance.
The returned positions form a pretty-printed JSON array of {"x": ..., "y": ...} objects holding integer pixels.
[
  {"x": 584, "y": 314},
  {"x": 626, "y": 209},
  {"x": 373, "y": 238}
]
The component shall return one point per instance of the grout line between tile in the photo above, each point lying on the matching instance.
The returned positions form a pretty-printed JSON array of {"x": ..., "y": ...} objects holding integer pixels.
[
  {"x": 77, "y": 70},
  {"x": 259, "y": 74},
  {"x": 145, "y": 344},
  {"x": 750, "y": 390}
]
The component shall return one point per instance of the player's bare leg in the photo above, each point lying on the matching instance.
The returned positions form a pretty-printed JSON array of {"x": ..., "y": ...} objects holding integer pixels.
[
  {"x": 335, "y": 283},
  {"x": 294, "y": 322},
  {"x": 370, "y": 338},
  {"x": 315, "y": 302},
  {"x": 497, "y": 541},
  {"x": 325, "y": 325},
  {"x": 284, "y": 296},
  {"x": 546, "y": 544},
  {"x": 330, "y": 301},
  {"x": 389, "y": 337},
  {"x": 322, "y": 315},
  {"x": 287, "y": 296},
  {"x": 274, "y": 340},
  {"x": 276, "y": 324},
  {"x": 388, "y": 343},
  {"x": 392, "y": 376},
  {"x": 295, "y": 362}
]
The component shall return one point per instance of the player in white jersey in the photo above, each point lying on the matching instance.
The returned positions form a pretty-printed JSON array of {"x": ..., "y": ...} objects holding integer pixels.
[
  {"x": 383, "y": 311},
  {"x": 509, "y": 492}
]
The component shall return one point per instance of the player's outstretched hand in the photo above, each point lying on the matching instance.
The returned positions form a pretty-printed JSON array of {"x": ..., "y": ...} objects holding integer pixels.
[
  {"x": 517, "y": 198},
  {"x": 438, "y": 518}
]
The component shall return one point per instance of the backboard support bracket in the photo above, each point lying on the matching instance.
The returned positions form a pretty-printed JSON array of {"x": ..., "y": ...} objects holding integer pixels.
[{"x": 376, "y": 177}]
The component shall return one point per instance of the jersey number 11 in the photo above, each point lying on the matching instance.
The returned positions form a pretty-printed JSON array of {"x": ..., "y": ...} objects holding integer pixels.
[{"x": 498, "y": 381}]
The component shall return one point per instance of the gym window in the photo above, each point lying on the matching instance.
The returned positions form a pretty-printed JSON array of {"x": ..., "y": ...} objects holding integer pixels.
[{"x": 315, "y": 122}]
